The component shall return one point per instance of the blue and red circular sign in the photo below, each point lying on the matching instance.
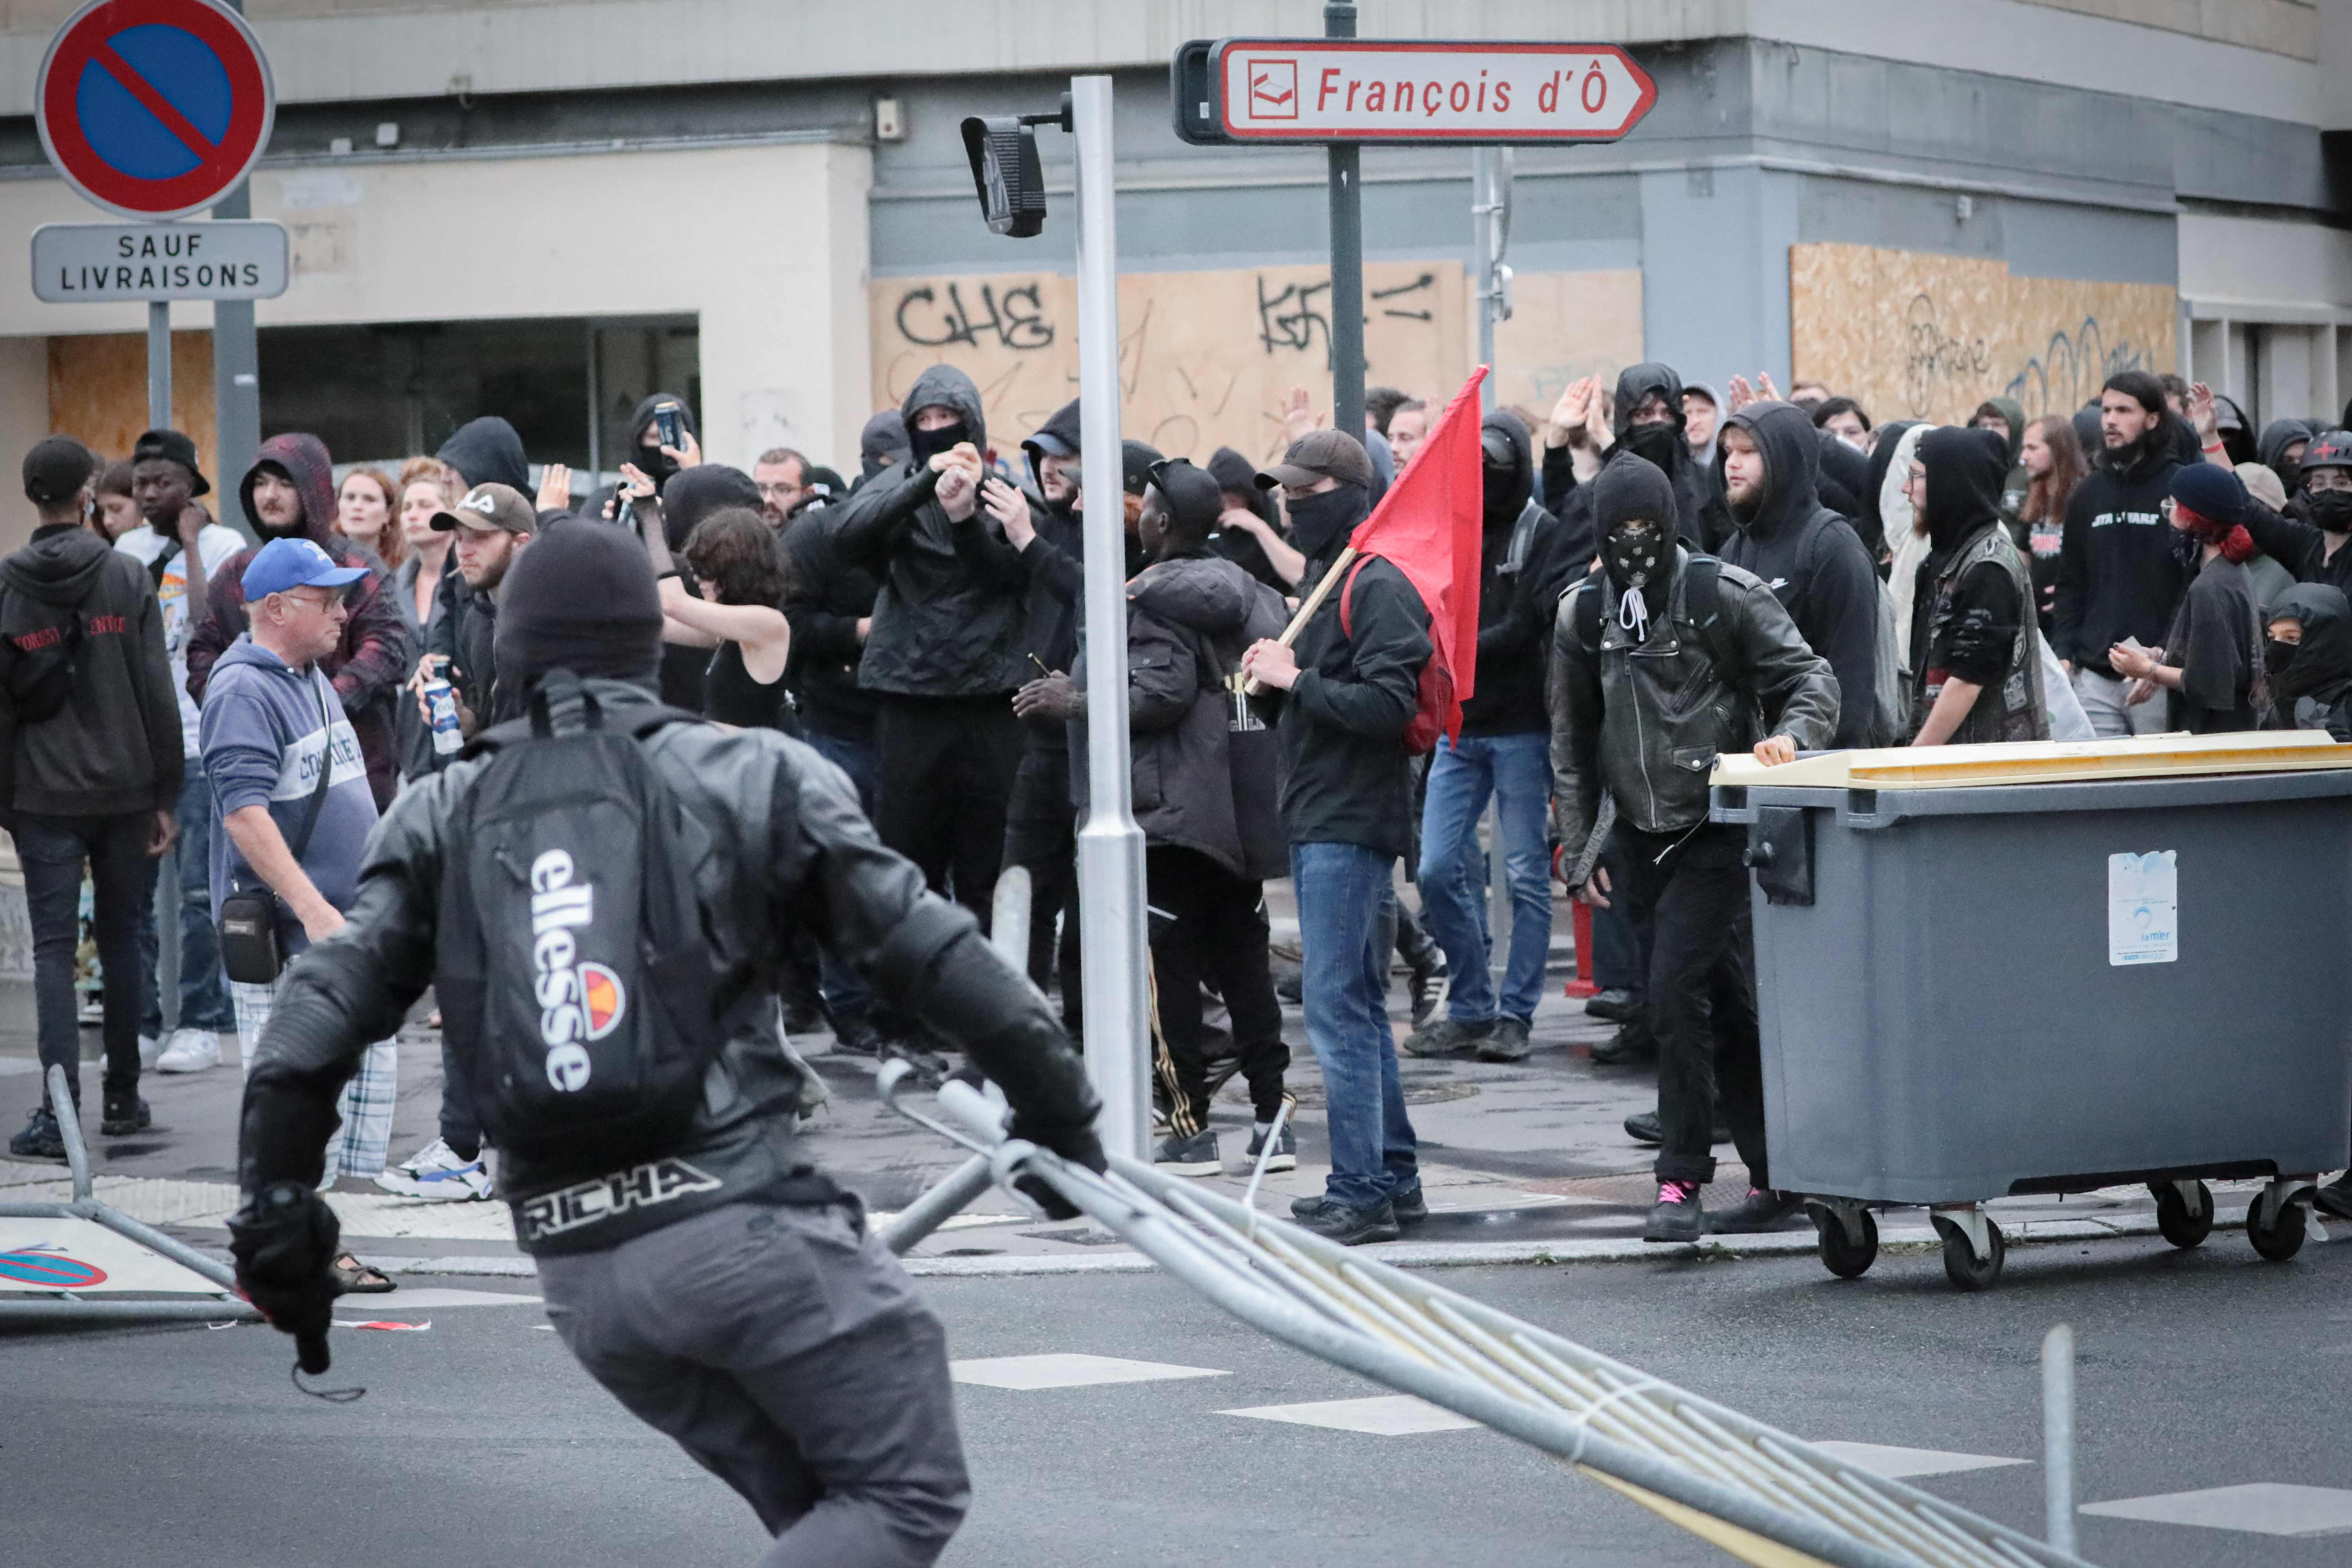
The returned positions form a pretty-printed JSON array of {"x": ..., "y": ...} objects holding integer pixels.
[
  {"x": 50, "y": 1271},
  {"x": 154, "y": 108}
]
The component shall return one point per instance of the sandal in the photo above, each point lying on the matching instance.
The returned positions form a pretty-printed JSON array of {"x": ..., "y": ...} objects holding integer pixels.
[{"x": 359, "y": 1278}]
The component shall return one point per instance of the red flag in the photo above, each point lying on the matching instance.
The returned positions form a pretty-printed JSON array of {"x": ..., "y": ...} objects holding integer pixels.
[{"x": 1430, "y": 527}]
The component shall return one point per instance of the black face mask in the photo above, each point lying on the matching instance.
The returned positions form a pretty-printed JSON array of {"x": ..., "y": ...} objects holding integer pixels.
[
  {"x": 929, "y": 444},
  {"x": 1502, "y": 483},
  {"x": 2330, "y": 510},
  {"x": 1318, "y": 522},
  {"x": 1636, "y": 556},
  {"x": 2278, "y": 655},
  {"x": 656, "y": 464},
  {"x": 1657, "y": 443}
]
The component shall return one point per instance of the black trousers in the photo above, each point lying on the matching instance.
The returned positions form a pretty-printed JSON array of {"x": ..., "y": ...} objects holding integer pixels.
[
  {"x": 1041, "y": 836},
  {"x": 1688, "y": 898},
  {"x": 51, "y": 850},
  {"x": 943, "y": 772},
  {"x": 1209, "y": 924}
]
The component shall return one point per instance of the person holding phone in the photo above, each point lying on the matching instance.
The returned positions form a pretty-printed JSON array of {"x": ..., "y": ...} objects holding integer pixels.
[{"x": 943, "y": 655}]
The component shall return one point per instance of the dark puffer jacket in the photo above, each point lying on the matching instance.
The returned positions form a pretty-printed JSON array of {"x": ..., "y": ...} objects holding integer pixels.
[
  {"x": 1645, "y": 717},
  {"x": 377, "y": 648},
  {"x": 949, "y": 618},
  {"x": 1187, "y": 620}
]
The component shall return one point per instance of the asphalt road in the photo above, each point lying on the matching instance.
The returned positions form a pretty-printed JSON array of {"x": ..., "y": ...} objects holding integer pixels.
[{"x": 479, "y": 1442}]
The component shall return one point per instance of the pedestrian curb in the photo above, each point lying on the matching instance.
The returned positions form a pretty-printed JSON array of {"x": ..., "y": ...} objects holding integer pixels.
[{"x": 1908, "y": 1238}]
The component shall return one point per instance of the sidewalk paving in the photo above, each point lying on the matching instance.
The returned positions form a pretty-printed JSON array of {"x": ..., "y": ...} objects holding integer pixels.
[{"x": 1525, "y": 1162}]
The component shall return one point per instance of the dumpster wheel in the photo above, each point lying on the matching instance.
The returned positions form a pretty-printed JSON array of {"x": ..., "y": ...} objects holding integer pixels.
[
  {"x": 2184, "y": 1212},
  {"x": 1965, "y": 1267},
  {"x": 2282, "y": 1238},
  {"x": 1849, "y": 1239}
]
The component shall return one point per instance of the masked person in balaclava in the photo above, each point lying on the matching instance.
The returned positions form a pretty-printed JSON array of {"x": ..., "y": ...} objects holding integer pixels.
[
  {"x": 1503, "y": 751},
  {"x": 289, "y": 493},
  {"x": 2309, "y": 539},
  {"x": 1977, "y": 676},
  {"x": 1663, "y": 658},
  {"x": 2308, "y": 654},
  {"x": 1809, "y": 556},
  {"x": 943, "y": 653},
  {"x": 1340, "y": 698}
]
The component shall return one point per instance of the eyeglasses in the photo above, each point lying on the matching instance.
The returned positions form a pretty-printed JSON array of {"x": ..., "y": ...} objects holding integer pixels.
[
  {"x": 328, "y": 601},
  {"x": 772, "y": 492}
]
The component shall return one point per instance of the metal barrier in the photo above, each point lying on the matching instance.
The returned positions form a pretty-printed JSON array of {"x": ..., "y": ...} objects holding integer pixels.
[
  {"x": 1763, "y": 1495},
  {"x": 227, "y": 1307}
]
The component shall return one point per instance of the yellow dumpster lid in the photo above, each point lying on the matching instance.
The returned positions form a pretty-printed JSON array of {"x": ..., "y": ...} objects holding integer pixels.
[{"x": 2044, "y": 762}]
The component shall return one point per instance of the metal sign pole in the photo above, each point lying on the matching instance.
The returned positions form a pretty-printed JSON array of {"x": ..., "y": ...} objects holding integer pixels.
[
  {"x": 1347, "y": 258},
  {"x": 236, "y": 366},
  {"x": 1490, "y": 207},
  {"x": 1110, "y": 845},
  {"x": 159, "y": 364}
]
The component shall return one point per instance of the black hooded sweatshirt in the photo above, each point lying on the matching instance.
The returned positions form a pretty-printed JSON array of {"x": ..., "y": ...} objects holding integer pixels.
[
  {"x": 2270, "y": 450},
  {"x": 1978, "y": 638},
  {"x": 1844, "y": 475},
  {"x": 1697, "y": 496},
  {"x": 2296, "y": 542},
  {"x": 2119, "y": 572},
  {"x": 1516, "y": 600},
  {"x": 1236, "y": 475},
  {"x": 2315, "y": 691},
  {"x": 1811, "y": 559},
  {"x": 487, "y": 451},
  {"x": 74, "y": 607}
]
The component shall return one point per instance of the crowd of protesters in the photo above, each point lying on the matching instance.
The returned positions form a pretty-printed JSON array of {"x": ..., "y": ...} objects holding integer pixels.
[{"x": 1667, "y": 572}]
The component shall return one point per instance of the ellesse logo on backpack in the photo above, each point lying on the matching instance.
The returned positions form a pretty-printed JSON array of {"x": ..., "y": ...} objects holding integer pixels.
[{"x": 577, "y": 1000}]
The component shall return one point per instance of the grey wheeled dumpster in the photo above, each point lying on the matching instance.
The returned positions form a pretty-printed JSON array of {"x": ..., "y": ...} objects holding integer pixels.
[{"x": 2048, "y": 987}]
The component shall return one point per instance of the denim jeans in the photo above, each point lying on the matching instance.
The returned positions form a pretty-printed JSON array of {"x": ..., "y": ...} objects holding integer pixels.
[
  {"x": 1516, "y": 771},
  {"x": 1344, "y": 892},
  {"x": 51, "y": 850},
  {"x": 204, "y": 991},
  {"x": 846, "y": 997}
]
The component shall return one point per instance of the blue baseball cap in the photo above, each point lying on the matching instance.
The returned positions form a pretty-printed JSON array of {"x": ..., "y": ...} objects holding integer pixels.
[{"x": 284, "y": 563}]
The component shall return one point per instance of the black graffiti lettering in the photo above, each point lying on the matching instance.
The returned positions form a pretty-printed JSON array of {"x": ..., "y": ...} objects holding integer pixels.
[
  {"x": 2072, "y": 369},
  {"x": 1017, "y": 321},
  {"x": 1288, "y": 319},
  {"x": 1425, "y": 283}
]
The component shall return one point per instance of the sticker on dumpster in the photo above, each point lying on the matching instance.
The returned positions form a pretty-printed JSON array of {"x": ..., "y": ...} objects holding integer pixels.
[{"x": 2144, "y": 908}]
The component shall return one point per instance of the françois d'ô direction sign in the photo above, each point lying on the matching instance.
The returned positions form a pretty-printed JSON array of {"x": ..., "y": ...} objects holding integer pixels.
[{"x": 1383, "y": 90}]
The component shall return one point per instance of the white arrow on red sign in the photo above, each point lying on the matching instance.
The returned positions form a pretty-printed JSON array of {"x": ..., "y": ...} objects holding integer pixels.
[{"x": 1379, "y": 89}]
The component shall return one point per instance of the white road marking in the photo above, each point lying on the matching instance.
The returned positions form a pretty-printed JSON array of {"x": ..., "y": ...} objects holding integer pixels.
[
  {"x": 1895, "y": 1463},
  {"x": 1069, "y": 1370},
  {"x": 2260, "y": 1507},
  {"x": 1383, "y": 1416}
]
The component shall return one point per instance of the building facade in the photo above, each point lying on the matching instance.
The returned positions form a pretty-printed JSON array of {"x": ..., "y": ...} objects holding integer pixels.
[{"x": 548, "y": 210}]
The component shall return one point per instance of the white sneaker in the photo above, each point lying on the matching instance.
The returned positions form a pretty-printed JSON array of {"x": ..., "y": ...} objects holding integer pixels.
[
  {"x": 435, "y": 1172},
  {"x": 150, "y": 1048},
  {"x": 189, "y": 1050}
]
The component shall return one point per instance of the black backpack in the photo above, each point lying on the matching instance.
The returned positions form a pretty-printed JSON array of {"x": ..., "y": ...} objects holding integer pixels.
[{"x": 576, "y": 987}]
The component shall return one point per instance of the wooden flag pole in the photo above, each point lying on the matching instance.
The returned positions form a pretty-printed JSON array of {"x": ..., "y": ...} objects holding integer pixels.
[{"x": 1313, "y": 603}]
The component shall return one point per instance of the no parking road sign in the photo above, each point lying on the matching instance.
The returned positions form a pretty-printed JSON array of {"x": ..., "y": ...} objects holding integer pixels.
[{"x": 154, "y": 108}]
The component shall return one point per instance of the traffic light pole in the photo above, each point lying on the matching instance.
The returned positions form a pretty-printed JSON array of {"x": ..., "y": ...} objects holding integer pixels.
[
  {"x": 1110, "y": 845},
  {"x": 1347, "y": 258}
]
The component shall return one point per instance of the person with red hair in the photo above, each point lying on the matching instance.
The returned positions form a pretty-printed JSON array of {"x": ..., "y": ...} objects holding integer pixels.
[{"x": 2210, "y": 667}]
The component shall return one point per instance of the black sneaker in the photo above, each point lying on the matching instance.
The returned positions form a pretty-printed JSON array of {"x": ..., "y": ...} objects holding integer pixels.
[
  {"x": 1615, "y": 1005},
  {"x": 1762, "y": 1210},
  {"x": 1289, "y": 985},
  {"x": 2336, "y": 1197},
  {"x": 123, "y": 1114},
  {"x": 1285, "y": 1150},
  {"x": 41, "y": 1140},
  {"x": 1632, "y": 1046},
  {"x": 1426, "y": 986},
  {"x": 1508, "y": 1043},
  {"x": 1448, "y": 1038},
  {"x": 1644, "y": 1127},
  {"x": 1194, "y": 1156},
  {"x": 1677, "y": 1215},
  {"x": 1335, "y": 1220},
  {"x": 1411, "y": 1208}
]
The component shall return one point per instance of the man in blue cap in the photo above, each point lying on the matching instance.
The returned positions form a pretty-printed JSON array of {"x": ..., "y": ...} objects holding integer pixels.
[{"x": 292, "y": 809}]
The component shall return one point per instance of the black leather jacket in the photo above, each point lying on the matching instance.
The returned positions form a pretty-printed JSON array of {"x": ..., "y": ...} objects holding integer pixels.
[
  {"x": 1646, "y": 720},
  {"x": 780, "y": 844}
]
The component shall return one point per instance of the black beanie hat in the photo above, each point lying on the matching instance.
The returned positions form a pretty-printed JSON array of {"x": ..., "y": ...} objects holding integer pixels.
[
  {"x": 56, "y": 467},
  {"x": 581, "y": 598}
]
